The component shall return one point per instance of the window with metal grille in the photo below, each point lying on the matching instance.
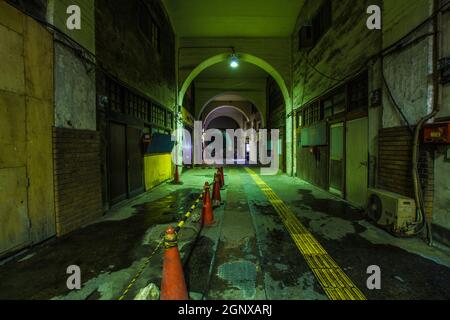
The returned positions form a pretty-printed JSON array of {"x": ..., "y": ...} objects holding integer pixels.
[
  {"x": 311, "y": 114},
  {"x": 115, "y": 96},
  {"x": 123, "y": 100},
  {"x": 169, "y": 120},
  {"x": 149, "y": 27}
]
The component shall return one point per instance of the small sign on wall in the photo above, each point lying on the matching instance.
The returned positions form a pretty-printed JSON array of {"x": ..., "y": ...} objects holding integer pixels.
[{"x": 375, "y": 98}]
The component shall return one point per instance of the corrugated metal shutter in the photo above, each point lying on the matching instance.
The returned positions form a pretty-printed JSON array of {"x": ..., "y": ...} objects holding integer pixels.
[{"x": 394, "y": 164}]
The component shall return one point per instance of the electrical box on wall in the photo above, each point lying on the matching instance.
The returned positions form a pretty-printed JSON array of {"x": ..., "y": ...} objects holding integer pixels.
[
  {"x": 444, "y": 68},
  {"x": 437, "y": 133}
]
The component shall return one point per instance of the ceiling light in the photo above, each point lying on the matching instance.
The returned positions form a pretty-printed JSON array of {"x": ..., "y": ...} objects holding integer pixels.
[{"x": 234, "y": 62}]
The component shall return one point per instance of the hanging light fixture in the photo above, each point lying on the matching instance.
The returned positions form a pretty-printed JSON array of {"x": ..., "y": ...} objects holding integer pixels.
[{"x": 234, "y": 61}]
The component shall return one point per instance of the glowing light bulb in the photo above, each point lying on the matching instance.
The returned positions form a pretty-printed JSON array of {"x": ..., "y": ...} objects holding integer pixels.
[{"x": 234, "y": 63}]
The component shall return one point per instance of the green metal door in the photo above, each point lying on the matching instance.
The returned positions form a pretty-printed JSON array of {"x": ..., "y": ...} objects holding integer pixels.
[
  {"x": 357, "y": 154},
  {"x": 337, "y": 159}
]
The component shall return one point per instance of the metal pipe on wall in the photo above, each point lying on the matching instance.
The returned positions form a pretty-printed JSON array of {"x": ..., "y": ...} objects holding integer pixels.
[{"x": 418, "y": 193}]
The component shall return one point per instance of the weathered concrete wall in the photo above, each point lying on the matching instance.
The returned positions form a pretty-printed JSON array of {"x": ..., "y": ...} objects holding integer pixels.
[
  {"x": 407, "y": 71},
  {"x": 401, "y": 16},
  {"x": 341, "y": 52},
  {"x": 410, "y": 75},
  {"x": 75, "y": 94},
  {"x": 36, "y": 8},
  {"x": 125, "y": 51},
  {"x": 26, "y": 119},
  {"x": 345, "y": 49},
  {"x": 57, "y": 16}
]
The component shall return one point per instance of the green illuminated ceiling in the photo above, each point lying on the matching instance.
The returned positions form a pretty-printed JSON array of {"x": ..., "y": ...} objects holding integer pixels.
[{"x": 233, "y": 18}]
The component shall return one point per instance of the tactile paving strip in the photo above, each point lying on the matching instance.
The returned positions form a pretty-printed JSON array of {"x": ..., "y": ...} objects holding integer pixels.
[{"x": 336, "y": 284}]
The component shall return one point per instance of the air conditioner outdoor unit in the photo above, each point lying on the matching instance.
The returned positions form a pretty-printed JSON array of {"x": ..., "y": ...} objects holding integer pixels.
[{"x": 392, "y": 211}]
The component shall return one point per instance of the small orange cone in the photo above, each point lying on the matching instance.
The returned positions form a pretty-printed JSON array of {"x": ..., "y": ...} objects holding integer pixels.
[
  {"x": 173, "y": 284},
  {"x": 217, "y": 199},
  {"x": 222, "y": 177},
  {"x": 207, "y": 214},
  {"x": 176, "y": 179}
]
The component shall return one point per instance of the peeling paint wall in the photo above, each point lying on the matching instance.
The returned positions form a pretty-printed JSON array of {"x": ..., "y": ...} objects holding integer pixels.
[
  {"x": 408, "y": 72},
  {"x": 26, "y": 119},
  {"x": 75, "y": 96}
]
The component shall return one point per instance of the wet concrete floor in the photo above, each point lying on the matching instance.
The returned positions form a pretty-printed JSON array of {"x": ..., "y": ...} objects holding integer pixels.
[
  {"x": 104, "y": 247},
  {"x": 247, "y": 254}
]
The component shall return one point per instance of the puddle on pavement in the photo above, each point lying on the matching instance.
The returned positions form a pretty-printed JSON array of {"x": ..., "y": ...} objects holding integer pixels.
[
  {"x": 197, "y": 266},
  {"x": 107, "y": 246},
  {"x": 168, "y": 209},
  {"x": 329, "y": 206}
]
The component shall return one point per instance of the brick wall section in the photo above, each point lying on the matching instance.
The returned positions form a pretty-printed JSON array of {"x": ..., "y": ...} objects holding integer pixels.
[{"x": 78, "y": 194}]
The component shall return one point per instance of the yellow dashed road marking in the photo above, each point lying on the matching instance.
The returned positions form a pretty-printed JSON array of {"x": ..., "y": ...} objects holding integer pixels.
[{"x": 336, "y": 284}]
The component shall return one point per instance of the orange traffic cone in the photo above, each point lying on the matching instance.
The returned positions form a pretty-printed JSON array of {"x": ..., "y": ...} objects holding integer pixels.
[
  {"x": 222, "y": 177},
  {"x": 216, "y": 191},
  {"x": 176, "y": 179},
  {"x": 207, "y": 214},
  {"x": 173, "y": 284}
]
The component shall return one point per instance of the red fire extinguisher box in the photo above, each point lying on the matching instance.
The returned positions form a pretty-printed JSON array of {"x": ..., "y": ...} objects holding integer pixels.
[{"x": 437, "y": 133}]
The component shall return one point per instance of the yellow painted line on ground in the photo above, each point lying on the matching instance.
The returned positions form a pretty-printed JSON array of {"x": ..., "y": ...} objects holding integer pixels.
[{"x": 336, "y": 284}]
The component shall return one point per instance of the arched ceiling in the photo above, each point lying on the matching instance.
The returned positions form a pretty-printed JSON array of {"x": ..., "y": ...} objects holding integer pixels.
[
  {"x": 223, "y": 123},
  {"x": 233, "y": 18},
  {"x": 221, "y": 83},
  {"x": 226, "y": 111}
]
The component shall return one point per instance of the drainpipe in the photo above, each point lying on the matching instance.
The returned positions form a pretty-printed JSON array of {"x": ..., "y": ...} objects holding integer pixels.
[{"x": 418, "y": 193}]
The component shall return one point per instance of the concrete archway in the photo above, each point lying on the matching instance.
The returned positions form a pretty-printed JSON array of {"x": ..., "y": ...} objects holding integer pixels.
[
  {"x": 243, "y": 57},
  {"x": 263, "y": 64},
  {"x": 245, "y": 97},
  {"x": 213, "y": 114}
]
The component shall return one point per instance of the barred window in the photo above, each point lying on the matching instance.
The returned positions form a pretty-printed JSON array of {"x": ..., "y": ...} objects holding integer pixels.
[
  {"x": 125, "y": 101},
  {"x": 311, "y": 114}
]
